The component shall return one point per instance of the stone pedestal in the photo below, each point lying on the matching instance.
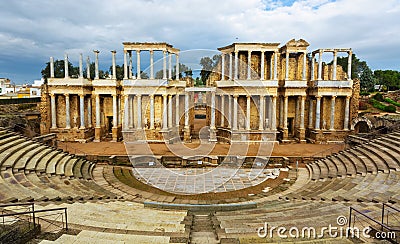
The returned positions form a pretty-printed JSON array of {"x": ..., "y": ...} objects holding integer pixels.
[
  {"x": 213, "y": 135},
  {"x": 302, "y": 136},
  {"x": 97, "y": 134},
  {"x": 114, "y": 134},
  {"x": 186, "y": 134}
]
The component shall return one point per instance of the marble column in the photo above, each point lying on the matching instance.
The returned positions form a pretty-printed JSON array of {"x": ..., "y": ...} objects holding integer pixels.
[
  {"x": 287, "y": 65},
  {"x": 82, "y": 111},
  {"x": 130, "y": 111},
  {"x": 170, "y": 111},
  {"x": 51, "y": 67},
  {"x": 88, "y": 67},
  {"x": 165, "y": 113},
  {"x": 114, "y": 104},
  {"x": 96, "y": 64},
  {"x": 334, "y": 64},
  {"x": 235, "y": 112},
  {"x": 275, "y": 66},
  {"x": 249, "y": 65},
  {"x": 285, "y": 112},
  {"x": 230, "y": 66},
  {"x": 114, "y": 67},
  {"x": 186, "y": 110},
  {"x": 273, "y": 113},
  {"x": 312, "y": 66},
  {"x": 98, "y": 124},
  {"x": 310, "y": 114},
  {"x": 139, "y": 111},
  {"x": 349, "y": 65},
  {"x": 126, "y": 112},
  {"x": 262, "y": 65},
  {"x": 346, "y": 113},
  {"x": 170, "y": 66},
  {"x": 230, "y": 111},
  {"x": 130, "y": 74},
  {"x": 151, "y": 112},
  {"x": 177, "y": 115},
  {"x": 80, "y": 65},
  {"x": 139, "y": 75},
  {"x": 248, "y": 101},
  {"x": 318, "y": 113},
  {"x": 271, "y": 67},
  {"x": 164, "y": 64},
  {"x": 332, "y": 126},
  {"x": 67, "y": 112},
  {"x": 66, "y": 74},
  {"x": 302, "y": 110},
  {"x": 281, "y": 108},
  {"x": 296, "y": 111},
  {"x": 125, "y": 66},
  {"x": 236, "y": 65},
  {"x": 53, "y": 111},
  {"x": 212, "y": 122},
  {"x": 89, "y": 112},
  {"x": 304, "y": 75},
  {"x": 222, "y": 110},
  {"x": 222, "y": 66},
  {"x": 320, "y": 65},
  {"x": 177, "y": 74},
  {"x": 261, "y": 113},
  {"x": 151, "y": 64}
]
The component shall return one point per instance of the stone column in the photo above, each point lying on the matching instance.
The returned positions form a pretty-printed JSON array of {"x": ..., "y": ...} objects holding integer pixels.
[
  {"x": 67, "y": 112},
  {"x": 273, "y": 113},
  {"x": 318, "y": 113},
  {"x": 212, "y": 122},
  {"x": 66, "y": 74},
  {"x": 236, "y": 65},
  {"x": 304, "y": 76},
  {"x": 125, "y": 66},
  {"x": 248, "y": 112},
  {"x": 130, "y": 65},
  {"x": 139, "y": 111},
  {"x": 222, "y": 66},
  {"x": 332, "y": 126},
  {"x": 164, "y": 64},
  {"x": 89, "y": 111},
  {"x": 169, "y": 66},
  {"x": 151, "y": 112},
  {"x": 235, "y": 112},
  {"x": 346, "y": 113},
  {"x": 334, "y": 64},
  {"x": 310, "y": 114},
  {"x": 53, "y": 111},
  {"x": 186, "y": 110},
  {"x": 170, "y": 111},
  {"x": 130, "y": 111},
  {"x": 114, "y": 104},
  {"x": 281, "y": 108},
  {"x": 88, "y": 67},
  {"x": 230, "y": 111},
  {"x": 51, "y": 67},
  {"x": 296, "y": 111},
  {"x": 80, "y": 65},
  {"x": 114, "y": 68},
  {"x": 349, "y": 65},
  {"x": 302, "y": 110},
  {"x": 151, "y": 64},
  {"x": 312, "y": 66},
  {"x": 96, "y": 64},
  {"x": 165, "y": 113},
  {"x": 98, "y": 124},
  {"x": 126, "y": 112},
  {"x": 222, "y": 110},
  {"x": 275, "y": 66},
  {"x": 262, "y": 65},
  {"x": 271, "y": 68},
  {"x": 139, "y": 75},
  {"x": 320, "y": 65},
  {"x": 82, "y": 111},
  {"x": 177, "y": 118},
  {"x": 249, "y": 65},
  {"x": 261, "y": 113},
  {"x": 177, "y": 75},
  {"x": 287, "y": 65},
  {"x": 230, "y": 66},
  {"x": 285, "y": 112}
]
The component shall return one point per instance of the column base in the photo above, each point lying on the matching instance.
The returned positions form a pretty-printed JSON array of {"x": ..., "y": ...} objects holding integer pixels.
[
  {"x": 97, "y": 134},
  {"x": 213, "y": 135},
  {"x": 186, "y": 134},
  {"x": 82, "y": 128},
  {"x": 114, "y": 134}
]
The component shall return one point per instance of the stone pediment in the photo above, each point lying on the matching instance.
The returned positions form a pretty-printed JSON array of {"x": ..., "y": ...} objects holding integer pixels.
[{"x": 297, "y": 43}]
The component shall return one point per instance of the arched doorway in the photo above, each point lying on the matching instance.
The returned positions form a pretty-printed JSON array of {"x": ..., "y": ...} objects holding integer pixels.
[{"x": 361, "y": 127}]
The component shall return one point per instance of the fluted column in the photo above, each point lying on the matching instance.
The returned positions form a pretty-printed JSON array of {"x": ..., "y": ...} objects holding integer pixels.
[
  {"x": 287, "y": 65},
  {"x": 114, "y": 67},
  {"x": 98, "y": 124},
  {"x": 262, "y": 65},
  {"x": 177, "y": 118},
  {"x": 310, "y": 114},
  {"x": 334, "y": 64},
  {"x": 67, "y": 112},
  {"x": 318, "y": 113},
  {"x": 332, "y": 126},
  {"x": 96, "y": 64},
  {"x": 126, "y": 112},
  {"x": 235, "y": 112},
  {"x": 66, "y": 74},
  {"x": 114, "y": 106},
  {"x": 51, "y": 67},
  {"x": 130, "y": 111},
  {"x": 285, "y": 111},
  {"x": 302, "y": 110},
  {"x": 164, "y": 64},
  {"x": 165, "y": 113},
  {"x": 125, "y": 66},
  {"x": 273, "y": 113},
  {"x": 170, "y": 111},
  {"x": 177, "y": 75},
  {"x": 88, "y": 67},
  {"x": 275, "y": 66},
  {"x": 151, "y": 112},
  {"x": 139, "y": 111},
  {"x": 261, "y": 113},
  {"x": 170, "y": 66},
  {"x": 130, "y": 66},
  {"x": 312, "y": 66},
  {"x": 248, "y": 101},
  {"x": 281, "y": 108},
  {"x": 222, "y": 110},
  {"x": 249, "y": 65},
  {"x": 53, "y": 111},
  {"x": 349, "y": 65},
  {"x": 222, "y": 66},
  {"x": 236, "y": 65},
  {"x": 89, "y": 112},
  {"x": 139, "y": 75},
  {"x": 151, "y": 64},
  {"x": 320, "y": 65},
  {"x": 186, "y": 110},
  {"x": 80, "y": 65},
  {"x": 82, "y": 111},
  {"x": 230, "y": 111},
  {"x": 346, "y": 113},
  {"x": 304, "y": 75},
  {"x": 230, "y": 66},
  {"x": 212, "y": 122}
]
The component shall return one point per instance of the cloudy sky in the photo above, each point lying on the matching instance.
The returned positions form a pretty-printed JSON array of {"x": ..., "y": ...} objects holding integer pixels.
[{"x": 33, "y": 30}]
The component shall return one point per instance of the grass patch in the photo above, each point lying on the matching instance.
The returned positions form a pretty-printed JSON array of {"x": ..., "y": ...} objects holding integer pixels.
[
  {"x": 376, "y": 104},
  {"x": 388, "y": 100}
]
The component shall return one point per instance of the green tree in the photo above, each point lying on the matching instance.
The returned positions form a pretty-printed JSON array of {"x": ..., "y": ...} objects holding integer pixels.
[
  {"x": 119, "y": 70},
  {"x": 59, "y": 71},
  {"x": 208, "y": 64},
  {"x": 388, "y": 78},
  {"x": 360, "y": 70}
]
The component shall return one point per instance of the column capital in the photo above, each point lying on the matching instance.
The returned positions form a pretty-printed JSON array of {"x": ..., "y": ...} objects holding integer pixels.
[
  {"x": 248, "y": 96},
  {"x": 52, "y": 94},
  {"x": 151, "y": 96},
  {"x": 348, "y": 96},
  {"x": 96, "y": 51},
  {"x": 303, "y": 97},
  {"x": 164, "y": 95},
  {"x": 169, "y": 95},
  {"x": 81, "y": 95},
  {"x": 66, "y": 94},
  {"x": 235, "y": 95},
  {"x": 114, "y": 95},
  {"x": 334, "y": 96},
  {"x": 139, "y": 95},
  {"x": 151, "y": 51},
  {"x": 137, "y": 51},
  {"x": 113, "y": 51}
]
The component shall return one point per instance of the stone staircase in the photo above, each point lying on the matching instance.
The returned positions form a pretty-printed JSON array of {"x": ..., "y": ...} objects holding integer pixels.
[{"x": 203, "y": 229}]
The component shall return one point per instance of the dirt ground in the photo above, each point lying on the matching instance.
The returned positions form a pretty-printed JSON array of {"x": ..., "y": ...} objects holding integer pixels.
[{"x": 119, "y": 148}]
